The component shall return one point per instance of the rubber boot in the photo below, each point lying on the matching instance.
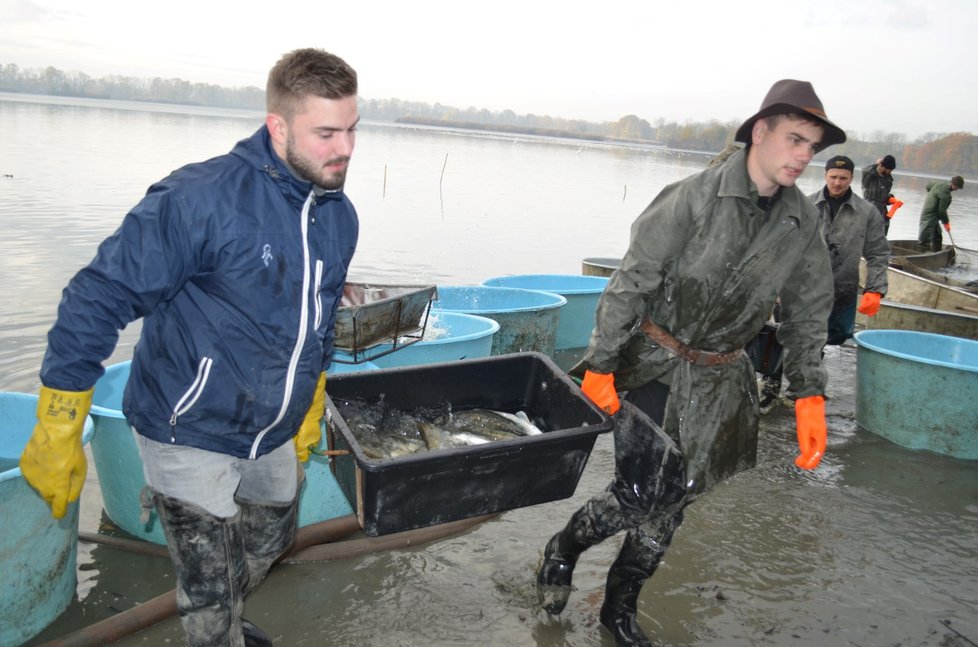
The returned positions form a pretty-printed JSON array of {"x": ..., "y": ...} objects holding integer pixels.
[
  {"x": 649, "y": 477},
  {"x": 211, "y": 572},
  {"x": 560, "y": 557},
  {"x": 268, "y": 530},
  {"x": 634, "y": 565},
  {"x": 770, "y": 392}
]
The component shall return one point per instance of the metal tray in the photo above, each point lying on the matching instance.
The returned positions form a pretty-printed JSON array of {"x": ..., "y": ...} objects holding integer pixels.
[{"x": 371, "y": 314}]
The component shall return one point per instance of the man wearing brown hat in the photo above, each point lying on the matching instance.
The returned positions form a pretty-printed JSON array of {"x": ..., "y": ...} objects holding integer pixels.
[
  {"x": 934, "y": 212},
  {"x": 706, "y": 261},
  {"x": 852, "y": 230},
  {"x": 878, "y": 186}
]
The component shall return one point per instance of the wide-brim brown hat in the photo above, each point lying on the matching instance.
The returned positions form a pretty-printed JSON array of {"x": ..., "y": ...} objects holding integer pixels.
[{"x": 791, "y": 96}]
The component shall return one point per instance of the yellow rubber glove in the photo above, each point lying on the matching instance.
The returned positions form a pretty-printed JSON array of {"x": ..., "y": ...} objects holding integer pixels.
[
  {"x": 870, "y": 303},
  {"x": 600, "y": 389},
  {"x": 311, "y": 428},
  {"x": 810, "y": 418},
  {"x": 53, "y": 461}
]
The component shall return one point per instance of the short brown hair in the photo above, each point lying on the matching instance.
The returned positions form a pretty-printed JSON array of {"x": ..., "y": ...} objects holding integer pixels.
[{"x": 305, "y": 72}]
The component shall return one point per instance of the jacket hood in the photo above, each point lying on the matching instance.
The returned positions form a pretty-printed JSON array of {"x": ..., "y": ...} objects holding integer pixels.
[{"x": 257, "y": 150}]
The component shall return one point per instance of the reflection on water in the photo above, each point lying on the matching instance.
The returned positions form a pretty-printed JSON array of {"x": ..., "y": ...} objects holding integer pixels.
[{"x": 877, "y": 547}]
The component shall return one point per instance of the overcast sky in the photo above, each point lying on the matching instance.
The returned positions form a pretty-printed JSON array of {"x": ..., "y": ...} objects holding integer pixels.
[{"x": 893, "y": 65}]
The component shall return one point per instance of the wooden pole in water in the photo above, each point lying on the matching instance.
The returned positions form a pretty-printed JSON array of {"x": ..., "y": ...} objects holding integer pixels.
[{"x": 441, "y": 179}]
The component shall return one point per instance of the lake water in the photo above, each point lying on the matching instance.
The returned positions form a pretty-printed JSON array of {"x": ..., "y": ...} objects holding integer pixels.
[{"x": 877, "y": 547}]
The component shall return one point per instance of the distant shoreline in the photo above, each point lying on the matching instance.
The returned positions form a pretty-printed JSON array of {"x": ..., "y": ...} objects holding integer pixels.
[
  {"x": 469, "y": 127},
  {"x": 509, "y": 129}
]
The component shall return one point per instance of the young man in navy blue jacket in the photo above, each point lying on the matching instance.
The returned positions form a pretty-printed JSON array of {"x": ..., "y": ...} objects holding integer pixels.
[{"x": 236, "y": 266}]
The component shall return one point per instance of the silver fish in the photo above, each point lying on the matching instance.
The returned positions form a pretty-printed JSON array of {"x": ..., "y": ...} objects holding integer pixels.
[
  {"x": 438, "y": 437},
  {"x": 391, "y": 447},
  {"x": 495, "y": 425}
]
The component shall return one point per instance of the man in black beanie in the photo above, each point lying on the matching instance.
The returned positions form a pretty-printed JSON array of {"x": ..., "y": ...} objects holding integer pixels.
[
  {"x": 878, "y": 185},
  {"x": 852, "y": 231}
]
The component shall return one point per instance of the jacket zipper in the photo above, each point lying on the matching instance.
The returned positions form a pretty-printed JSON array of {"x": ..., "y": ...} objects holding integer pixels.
[
  {"x": 190, "y": 396},
  {"x": 303, "y": 327},
  {"x": 319, "y": 301}
]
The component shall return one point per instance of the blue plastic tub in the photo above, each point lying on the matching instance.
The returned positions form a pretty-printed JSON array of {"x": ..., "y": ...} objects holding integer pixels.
[
  {"x": 38, "y": 554},
  {"x": 919, "y": 390},
  {"x": 344, "y": 362},
  {"x": 582, "y": 294},
  {"x": 120, "y": 468},
  {"x": 528, "y": 319},
  {"x": 449, "y": 337}
]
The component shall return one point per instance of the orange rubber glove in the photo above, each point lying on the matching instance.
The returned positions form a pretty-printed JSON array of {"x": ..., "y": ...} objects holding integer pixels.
[
  {"x": 947, "y": 227},
  {"x": 311, "y": 429},
  {"x": 810, "y": 418},
  {"x": 894, "y": 205},
  {"x": 600, "y": 389},
  {"x": 870, "y": 303}
]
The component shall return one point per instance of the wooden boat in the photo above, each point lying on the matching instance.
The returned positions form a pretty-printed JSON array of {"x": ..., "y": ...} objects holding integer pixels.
[
  {"x": 913, "y": 302},
  {"x": 962, "y": 273},
  {"x": 901, "y": 250}
]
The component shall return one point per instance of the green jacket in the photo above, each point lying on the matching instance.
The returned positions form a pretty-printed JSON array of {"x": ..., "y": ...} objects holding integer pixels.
[
  {"x": 856, "y": 231},
  {"x": 705, "y": 263},
  {"x": 936, "y": 204}
]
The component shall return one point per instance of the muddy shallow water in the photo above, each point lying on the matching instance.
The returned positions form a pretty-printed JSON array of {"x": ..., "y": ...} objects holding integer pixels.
[{"x": 879, "y": 546}]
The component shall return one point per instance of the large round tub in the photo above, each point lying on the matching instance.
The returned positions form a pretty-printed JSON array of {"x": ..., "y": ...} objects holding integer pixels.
[
  {"x": 919, "y": 390},
  {"x": 39, "y": 552},
  {"x": 528, "y": 319},
  {"x": 582, "y": 294},
  {"x": 449, "y": 337}
]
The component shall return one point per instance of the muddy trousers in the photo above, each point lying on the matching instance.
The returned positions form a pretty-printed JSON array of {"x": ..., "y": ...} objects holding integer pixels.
[
  {"x": 646, "y": 499},
  {"x": 219, "y": 560}
]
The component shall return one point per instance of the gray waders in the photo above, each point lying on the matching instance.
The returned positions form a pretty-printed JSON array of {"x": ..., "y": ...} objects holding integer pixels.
[
  {"x": 218, "y": 561},
  {"x": 646, "y": 499}
]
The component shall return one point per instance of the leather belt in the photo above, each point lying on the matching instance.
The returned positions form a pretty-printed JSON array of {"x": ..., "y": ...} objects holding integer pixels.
[{"x": 685, "y": 351}]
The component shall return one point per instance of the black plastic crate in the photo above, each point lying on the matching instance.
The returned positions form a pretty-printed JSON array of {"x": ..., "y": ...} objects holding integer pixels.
[{"x": 438, "y": 486}]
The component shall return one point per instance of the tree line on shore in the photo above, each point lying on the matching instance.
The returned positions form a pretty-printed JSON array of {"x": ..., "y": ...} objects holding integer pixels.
[{"x": 933, "y": 153}]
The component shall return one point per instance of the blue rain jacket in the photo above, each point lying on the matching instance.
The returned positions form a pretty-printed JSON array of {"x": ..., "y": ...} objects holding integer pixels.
[{"x": 237, "y": 268}]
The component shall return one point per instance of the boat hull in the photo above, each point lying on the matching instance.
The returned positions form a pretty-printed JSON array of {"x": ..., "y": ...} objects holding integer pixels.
[
  {"x": 916, "y": 303},
  {"x": 921, "y": 256}
]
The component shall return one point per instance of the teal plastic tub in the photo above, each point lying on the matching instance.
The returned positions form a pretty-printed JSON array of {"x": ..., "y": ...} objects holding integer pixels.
[
  {"x": 449, "y": 337},
  {"x": 38, "y": 553},
  {"x": 919, "y": 390},
  {"x": 120, "y": 468},
  {"x": 582, "y": 294},
  {"x": 344, "y": 362},
  {"x": 528, "y": 319}
]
